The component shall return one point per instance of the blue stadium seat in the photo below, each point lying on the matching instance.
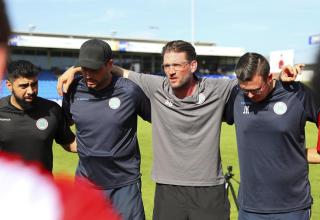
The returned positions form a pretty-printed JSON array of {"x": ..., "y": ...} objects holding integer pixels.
[{"x": 216, "y": 75}]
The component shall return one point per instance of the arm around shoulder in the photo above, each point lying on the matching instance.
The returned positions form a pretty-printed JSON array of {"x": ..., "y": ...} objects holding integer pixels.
[
  {"x": 65, "y": 80},
  {"x": 119, "y": 71},
  {"x": 288, "y": 73}
]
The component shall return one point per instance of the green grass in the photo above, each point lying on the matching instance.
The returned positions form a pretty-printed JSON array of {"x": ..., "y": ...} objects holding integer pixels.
[{"x": 65, "y": 162}]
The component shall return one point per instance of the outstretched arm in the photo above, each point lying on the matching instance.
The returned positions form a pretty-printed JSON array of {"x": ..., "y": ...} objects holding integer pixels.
[
  {"x": 118, "y": 71},
  {"x": 66, "y": 79}
]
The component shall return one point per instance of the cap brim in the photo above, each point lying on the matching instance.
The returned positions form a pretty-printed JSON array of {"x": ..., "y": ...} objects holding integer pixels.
[{"x": 91, "y": 64}]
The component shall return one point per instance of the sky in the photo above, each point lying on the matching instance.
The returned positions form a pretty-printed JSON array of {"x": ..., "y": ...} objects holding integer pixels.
[{"x": 258, "y": 26}]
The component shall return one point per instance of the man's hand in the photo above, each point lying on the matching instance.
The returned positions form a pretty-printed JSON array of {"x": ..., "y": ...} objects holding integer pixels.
[
  {"x": 290, "y": 73},
  {"x": 66, "y": 79},
  {"x": 71, "y": 147},
  {"x": 313, "y": 156}
]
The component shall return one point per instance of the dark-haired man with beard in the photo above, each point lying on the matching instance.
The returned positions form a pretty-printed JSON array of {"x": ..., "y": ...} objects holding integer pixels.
[{"x": 28, "y": 123}]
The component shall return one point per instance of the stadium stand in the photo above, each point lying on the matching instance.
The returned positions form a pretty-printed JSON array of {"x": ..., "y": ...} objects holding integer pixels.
[{"x": 216, "y": 75}]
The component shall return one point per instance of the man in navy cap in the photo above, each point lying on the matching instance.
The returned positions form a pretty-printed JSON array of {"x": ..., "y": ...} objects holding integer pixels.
[{"x": 104, "y": 109}]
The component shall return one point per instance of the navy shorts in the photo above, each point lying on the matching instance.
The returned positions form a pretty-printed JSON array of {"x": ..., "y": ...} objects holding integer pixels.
[
  {"x": 127, "y": 201},
  {"x": 303, "y": 214},
  {"x": 191, "y": 203}
]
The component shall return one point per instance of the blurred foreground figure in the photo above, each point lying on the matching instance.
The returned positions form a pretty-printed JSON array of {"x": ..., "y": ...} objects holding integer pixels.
[
  {"x": 314, "y": 153},
  {"x": 4, "y": 36},
  {"x": 28, "y": 193},
  {"x": 315, "y": 84}
]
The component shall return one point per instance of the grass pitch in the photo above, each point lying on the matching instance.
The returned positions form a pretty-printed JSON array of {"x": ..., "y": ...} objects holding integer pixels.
[{"x": 65, "y": 162}]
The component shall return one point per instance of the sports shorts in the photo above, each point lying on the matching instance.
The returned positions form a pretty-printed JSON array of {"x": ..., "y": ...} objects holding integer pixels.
[
  {"x": 127, "y": 201},
  {"x": 191, "y": 203}
]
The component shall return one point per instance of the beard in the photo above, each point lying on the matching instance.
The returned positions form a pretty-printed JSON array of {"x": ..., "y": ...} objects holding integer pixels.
[{"x": 24, "y": 104}]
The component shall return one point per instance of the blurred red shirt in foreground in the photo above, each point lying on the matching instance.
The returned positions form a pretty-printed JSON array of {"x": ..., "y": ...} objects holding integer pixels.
[{"x": 28, "y": 192}]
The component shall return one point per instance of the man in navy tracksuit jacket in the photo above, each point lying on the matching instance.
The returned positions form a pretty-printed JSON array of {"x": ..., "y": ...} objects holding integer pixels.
[
  {"x": 104, "y": 109},
  {"x": 270, "y": 117}
]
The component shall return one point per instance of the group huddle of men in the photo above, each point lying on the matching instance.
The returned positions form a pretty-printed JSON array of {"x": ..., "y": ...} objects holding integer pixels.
[{"x": 186, "y": 113}]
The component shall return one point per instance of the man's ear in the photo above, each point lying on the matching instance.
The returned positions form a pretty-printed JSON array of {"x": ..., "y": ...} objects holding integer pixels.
[
  {"x": 194, "y": 66},
  {"x": 109, "y": 63},
  {"x": 270, "y": 77},
  {"x": 9, "y": 85}
]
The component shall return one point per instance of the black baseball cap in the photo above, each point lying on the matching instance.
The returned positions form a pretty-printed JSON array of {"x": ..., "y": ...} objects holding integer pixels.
[{"x": 94, "y": 53}]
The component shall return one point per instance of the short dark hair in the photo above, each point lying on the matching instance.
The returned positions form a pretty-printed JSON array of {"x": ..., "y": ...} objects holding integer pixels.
[
  {"x": 180, "y": 46},
  {"x": 21, "y": 68},
  {"x": 4, "y": 24},
  {"x": 251, "y": 64}
]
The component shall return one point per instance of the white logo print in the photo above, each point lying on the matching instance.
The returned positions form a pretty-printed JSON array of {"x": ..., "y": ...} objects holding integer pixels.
[
  {"x": 114, "y": 103},
  {"x": 168, "y": 103},
  {"x": 280, "y": 108},
  {"x": 5, "y": 119},
  {"x": 42, "y": 124},
  {"x": 246, "y": 109},
  {"x": 201, "y": 98}
]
